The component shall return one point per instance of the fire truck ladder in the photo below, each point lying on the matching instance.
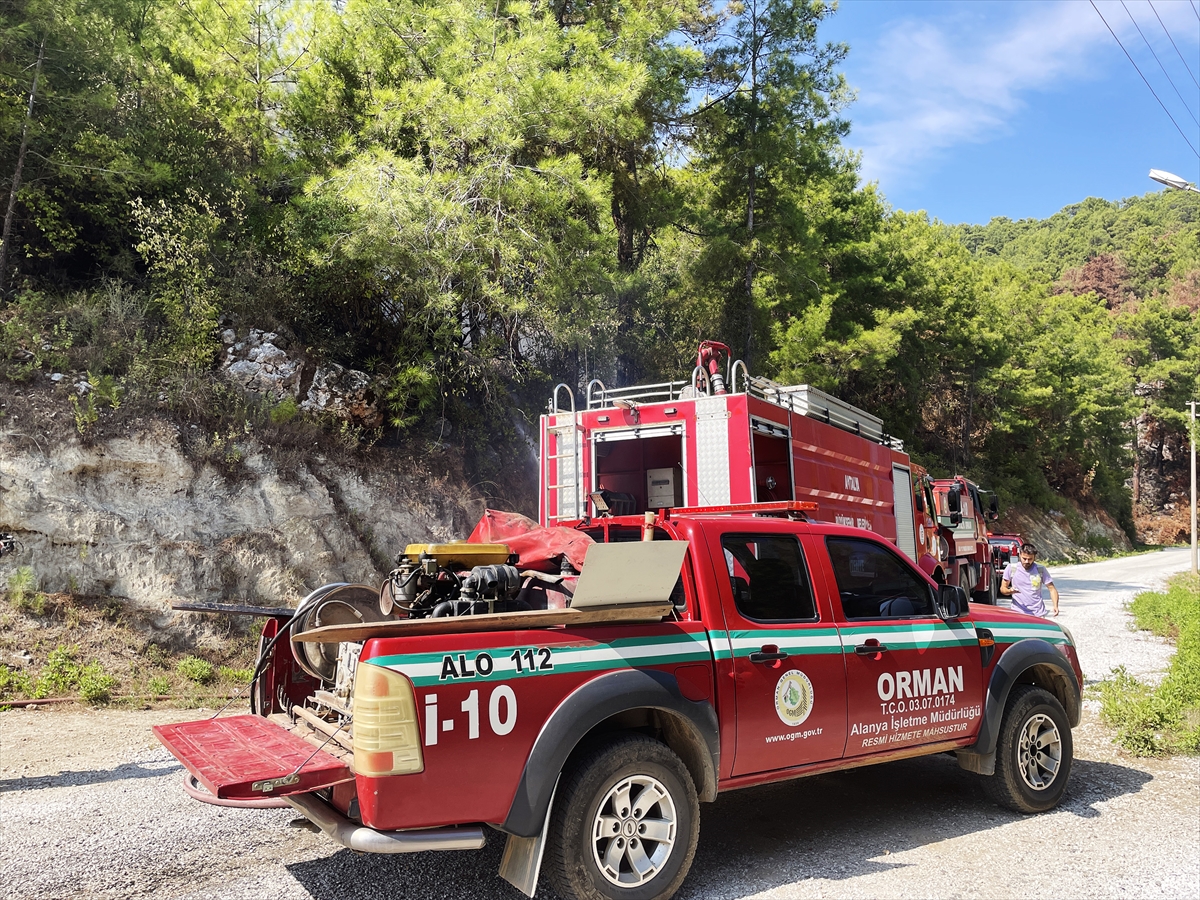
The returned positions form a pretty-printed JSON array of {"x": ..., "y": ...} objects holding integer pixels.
[{"x": 568, "y": 445}]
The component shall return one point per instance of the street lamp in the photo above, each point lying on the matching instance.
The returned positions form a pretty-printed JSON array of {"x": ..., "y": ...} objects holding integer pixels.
[
  {"x": 1180, "y": 184},
  {"x": 1172, "y": 181}
]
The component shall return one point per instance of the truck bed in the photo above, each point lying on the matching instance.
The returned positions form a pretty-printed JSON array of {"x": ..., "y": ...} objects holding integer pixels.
[{"x": 505, "y": 621}]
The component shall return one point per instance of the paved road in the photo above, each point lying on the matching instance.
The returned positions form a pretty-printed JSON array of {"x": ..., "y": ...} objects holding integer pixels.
[{"x": 90, "y": 807}]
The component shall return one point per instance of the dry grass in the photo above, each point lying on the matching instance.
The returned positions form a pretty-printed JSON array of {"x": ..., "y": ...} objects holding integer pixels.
[{"x": 47, "y": 638}]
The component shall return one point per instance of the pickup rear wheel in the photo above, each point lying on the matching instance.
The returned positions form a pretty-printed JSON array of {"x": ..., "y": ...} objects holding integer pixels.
[
  {"x": 625, "y": 823},
  {"x": 1033, "y": 752}
]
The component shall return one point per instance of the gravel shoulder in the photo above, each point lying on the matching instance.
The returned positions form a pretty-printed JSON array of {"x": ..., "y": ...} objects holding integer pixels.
[{"x": 90, "y": 806}]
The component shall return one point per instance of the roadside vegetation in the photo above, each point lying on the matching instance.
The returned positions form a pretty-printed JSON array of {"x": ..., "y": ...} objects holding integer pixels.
[
  {"x": 1165, "y": 718},
  {"x": 96, "y": 650}
]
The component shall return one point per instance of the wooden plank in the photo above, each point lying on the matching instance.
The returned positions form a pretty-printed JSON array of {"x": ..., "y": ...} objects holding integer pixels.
[
  {"x": 507, "y": 621},
  {"x": 326, "y": 728}
]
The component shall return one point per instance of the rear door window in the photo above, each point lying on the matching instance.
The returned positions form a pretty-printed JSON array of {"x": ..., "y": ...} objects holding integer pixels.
[{"x": 769, "y": 578}]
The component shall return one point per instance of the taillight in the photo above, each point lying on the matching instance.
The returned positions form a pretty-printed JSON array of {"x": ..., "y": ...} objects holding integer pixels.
[{"x": 386, "y": 738}]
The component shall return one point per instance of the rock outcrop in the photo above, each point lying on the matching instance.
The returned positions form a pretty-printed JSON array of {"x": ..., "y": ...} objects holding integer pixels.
[
  {"x": 262, "y": 365},
  {"x": 133, "y": 517},
  {"x": 1074, "y": 534}
]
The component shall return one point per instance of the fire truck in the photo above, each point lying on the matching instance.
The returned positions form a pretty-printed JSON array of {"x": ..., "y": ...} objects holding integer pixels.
[
  {"x": 964, "y": 518},
  {"x": 728, "y": 437}
]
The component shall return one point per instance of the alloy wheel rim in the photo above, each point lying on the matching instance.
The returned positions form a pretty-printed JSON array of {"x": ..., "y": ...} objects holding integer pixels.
[
  {"x": 634, "y": 830},
  {"x": 1039, "y": 752}
]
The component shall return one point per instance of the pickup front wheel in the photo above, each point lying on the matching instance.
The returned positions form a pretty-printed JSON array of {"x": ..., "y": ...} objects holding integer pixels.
[
  {"x": 625, "y": 823},
  {"x": 1033, "y": 753}
]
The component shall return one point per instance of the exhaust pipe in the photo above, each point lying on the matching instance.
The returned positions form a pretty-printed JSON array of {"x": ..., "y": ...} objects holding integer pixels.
[{"x": 368, "y": 840}]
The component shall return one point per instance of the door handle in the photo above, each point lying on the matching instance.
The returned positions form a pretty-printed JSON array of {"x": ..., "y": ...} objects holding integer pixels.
[
  {"x": 871, "y": 648},
  {"x": 769, "y": 653}
]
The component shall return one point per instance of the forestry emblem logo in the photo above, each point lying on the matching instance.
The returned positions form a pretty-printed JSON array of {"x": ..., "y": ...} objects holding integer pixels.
[{"x": 793, "y": 698}]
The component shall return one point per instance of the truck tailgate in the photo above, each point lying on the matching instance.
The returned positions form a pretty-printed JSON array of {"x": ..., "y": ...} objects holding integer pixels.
[{"x": 232, "y": 757}]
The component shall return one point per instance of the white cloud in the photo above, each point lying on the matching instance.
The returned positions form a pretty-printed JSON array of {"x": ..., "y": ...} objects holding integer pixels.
[{"x": 930, "y": 85}]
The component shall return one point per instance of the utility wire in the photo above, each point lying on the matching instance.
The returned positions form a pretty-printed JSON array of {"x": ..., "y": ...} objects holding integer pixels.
[
  {"x": 1173, "y": 44},
  {"x": 1170, "y": 81},
  {"x": 1196, "y": 11},
  {"x": 1143, "y": 77}
]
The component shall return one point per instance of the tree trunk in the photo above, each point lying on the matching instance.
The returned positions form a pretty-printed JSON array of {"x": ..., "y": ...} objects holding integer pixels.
[
  {"x": 1136, "y": 483},
  {"x": 751, "y": 198},
  {"x": 968, "y": 423},
  {"x": 6, "y": 238},
  {"x": 626, "y": 218}
]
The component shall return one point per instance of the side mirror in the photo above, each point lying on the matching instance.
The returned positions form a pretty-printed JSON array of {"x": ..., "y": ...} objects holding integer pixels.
[
  {"x": 951, "y": 602},
  {"x": 954, "y": 504},
  {"x": 919, "y": 501},
  {"x": 994, "y": 508}
]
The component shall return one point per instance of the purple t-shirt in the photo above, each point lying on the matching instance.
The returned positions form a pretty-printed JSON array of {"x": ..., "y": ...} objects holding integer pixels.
[{"x": 1027, "y": 587}]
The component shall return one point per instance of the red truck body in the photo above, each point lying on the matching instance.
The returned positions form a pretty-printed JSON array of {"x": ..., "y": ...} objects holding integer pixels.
[
  {"x": 789, "y": 647},
  {"x": 673, "y": 445},
  {"x": 963, "y": 521},
  {"x": 1005, "y": 547}
]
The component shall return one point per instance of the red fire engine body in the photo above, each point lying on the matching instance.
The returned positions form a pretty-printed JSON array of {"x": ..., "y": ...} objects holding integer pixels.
[
  {"x": 963, "y": 520},
  {"x": 692, "y": 444}
]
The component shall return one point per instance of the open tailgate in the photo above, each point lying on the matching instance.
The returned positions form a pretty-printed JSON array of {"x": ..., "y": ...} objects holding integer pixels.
[{"x": 244, "y": 758}]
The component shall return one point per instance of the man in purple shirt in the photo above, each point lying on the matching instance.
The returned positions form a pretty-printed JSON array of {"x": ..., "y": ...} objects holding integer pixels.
[{"x": 1024, "y": 580}]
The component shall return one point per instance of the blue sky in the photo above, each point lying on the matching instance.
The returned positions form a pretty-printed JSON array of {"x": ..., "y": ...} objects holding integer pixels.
[{"x": 970, "y": 110}]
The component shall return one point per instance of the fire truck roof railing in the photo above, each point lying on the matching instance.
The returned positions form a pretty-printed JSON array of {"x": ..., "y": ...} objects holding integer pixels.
[
  {"x": 802, "y": 399},
  {"x": 799, "y": 509},
  {"x": 664, "y": 392}
]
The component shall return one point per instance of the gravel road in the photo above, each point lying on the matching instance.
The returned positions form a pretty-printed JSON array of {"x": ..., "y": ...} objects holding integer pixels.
[{"x": 90, "y": 806}]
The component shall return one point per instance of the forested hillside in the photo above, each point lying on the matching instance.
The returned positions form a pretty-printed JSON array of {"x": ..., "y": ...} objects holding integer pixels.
[{"x": 470, "y": 201}]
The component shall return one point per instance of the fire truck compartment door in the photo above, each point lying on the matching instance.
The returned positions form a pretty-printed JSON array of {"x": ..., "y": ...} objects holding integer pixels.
[
  {"x": 244, "y": 758},
  {"x": 906, "y": 535}
]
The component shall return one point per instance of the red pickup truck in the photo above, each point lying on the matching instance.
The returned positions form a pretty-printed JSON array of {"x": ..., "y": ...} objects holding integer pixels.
[{"x": 587, "y": 718}]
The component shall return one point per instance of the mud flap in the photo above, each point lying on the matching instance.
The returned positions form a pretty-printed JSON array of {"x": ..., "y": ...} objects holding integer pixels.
[
  {"x": 522, "y": 860},
  {"x": 248, "y": 758}
]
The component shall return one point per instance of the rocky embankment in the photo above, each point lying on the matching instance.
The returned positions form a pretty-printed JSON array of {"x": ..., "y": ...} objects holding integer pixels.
[
  {"x": 137, "y": 518},
  {"x": 1071, "y": 534}
]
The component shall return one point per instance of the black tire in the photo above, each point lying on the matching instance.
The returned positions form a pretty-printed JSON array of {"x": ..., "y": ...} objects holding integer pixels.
[
  {"x": 1022, "y": 782},
  {"x": 987, "y": 596},
  {"x": 576, "y": 850}
]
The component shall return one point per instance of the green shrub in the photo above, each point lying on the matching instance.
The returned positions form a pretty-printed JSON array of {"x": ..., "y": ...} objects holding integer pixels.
[
  {"x": 193, "y": 668},
  {"x": 1153, "y": 721},
  {"x": 238, "y": 676},
  {"x": 160, "y": 685},
  {"x": 286, "y": 410},
  {"x": 23, "y": 592},
  {"x": 95, "y": 686},
  {"x": 14, "y": 682},
  {"x": 59, "y": 675}
]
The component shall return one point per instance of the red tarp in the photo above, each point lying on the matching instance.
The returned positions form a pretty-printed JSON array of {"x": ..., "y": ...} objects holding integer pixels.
[{"x": 538, "y": 548}]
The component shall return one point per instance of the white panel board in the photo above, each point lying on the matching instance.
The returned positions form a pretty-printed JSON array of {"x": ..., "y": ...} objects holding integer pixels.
[{"x": 629, "y": 572}]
